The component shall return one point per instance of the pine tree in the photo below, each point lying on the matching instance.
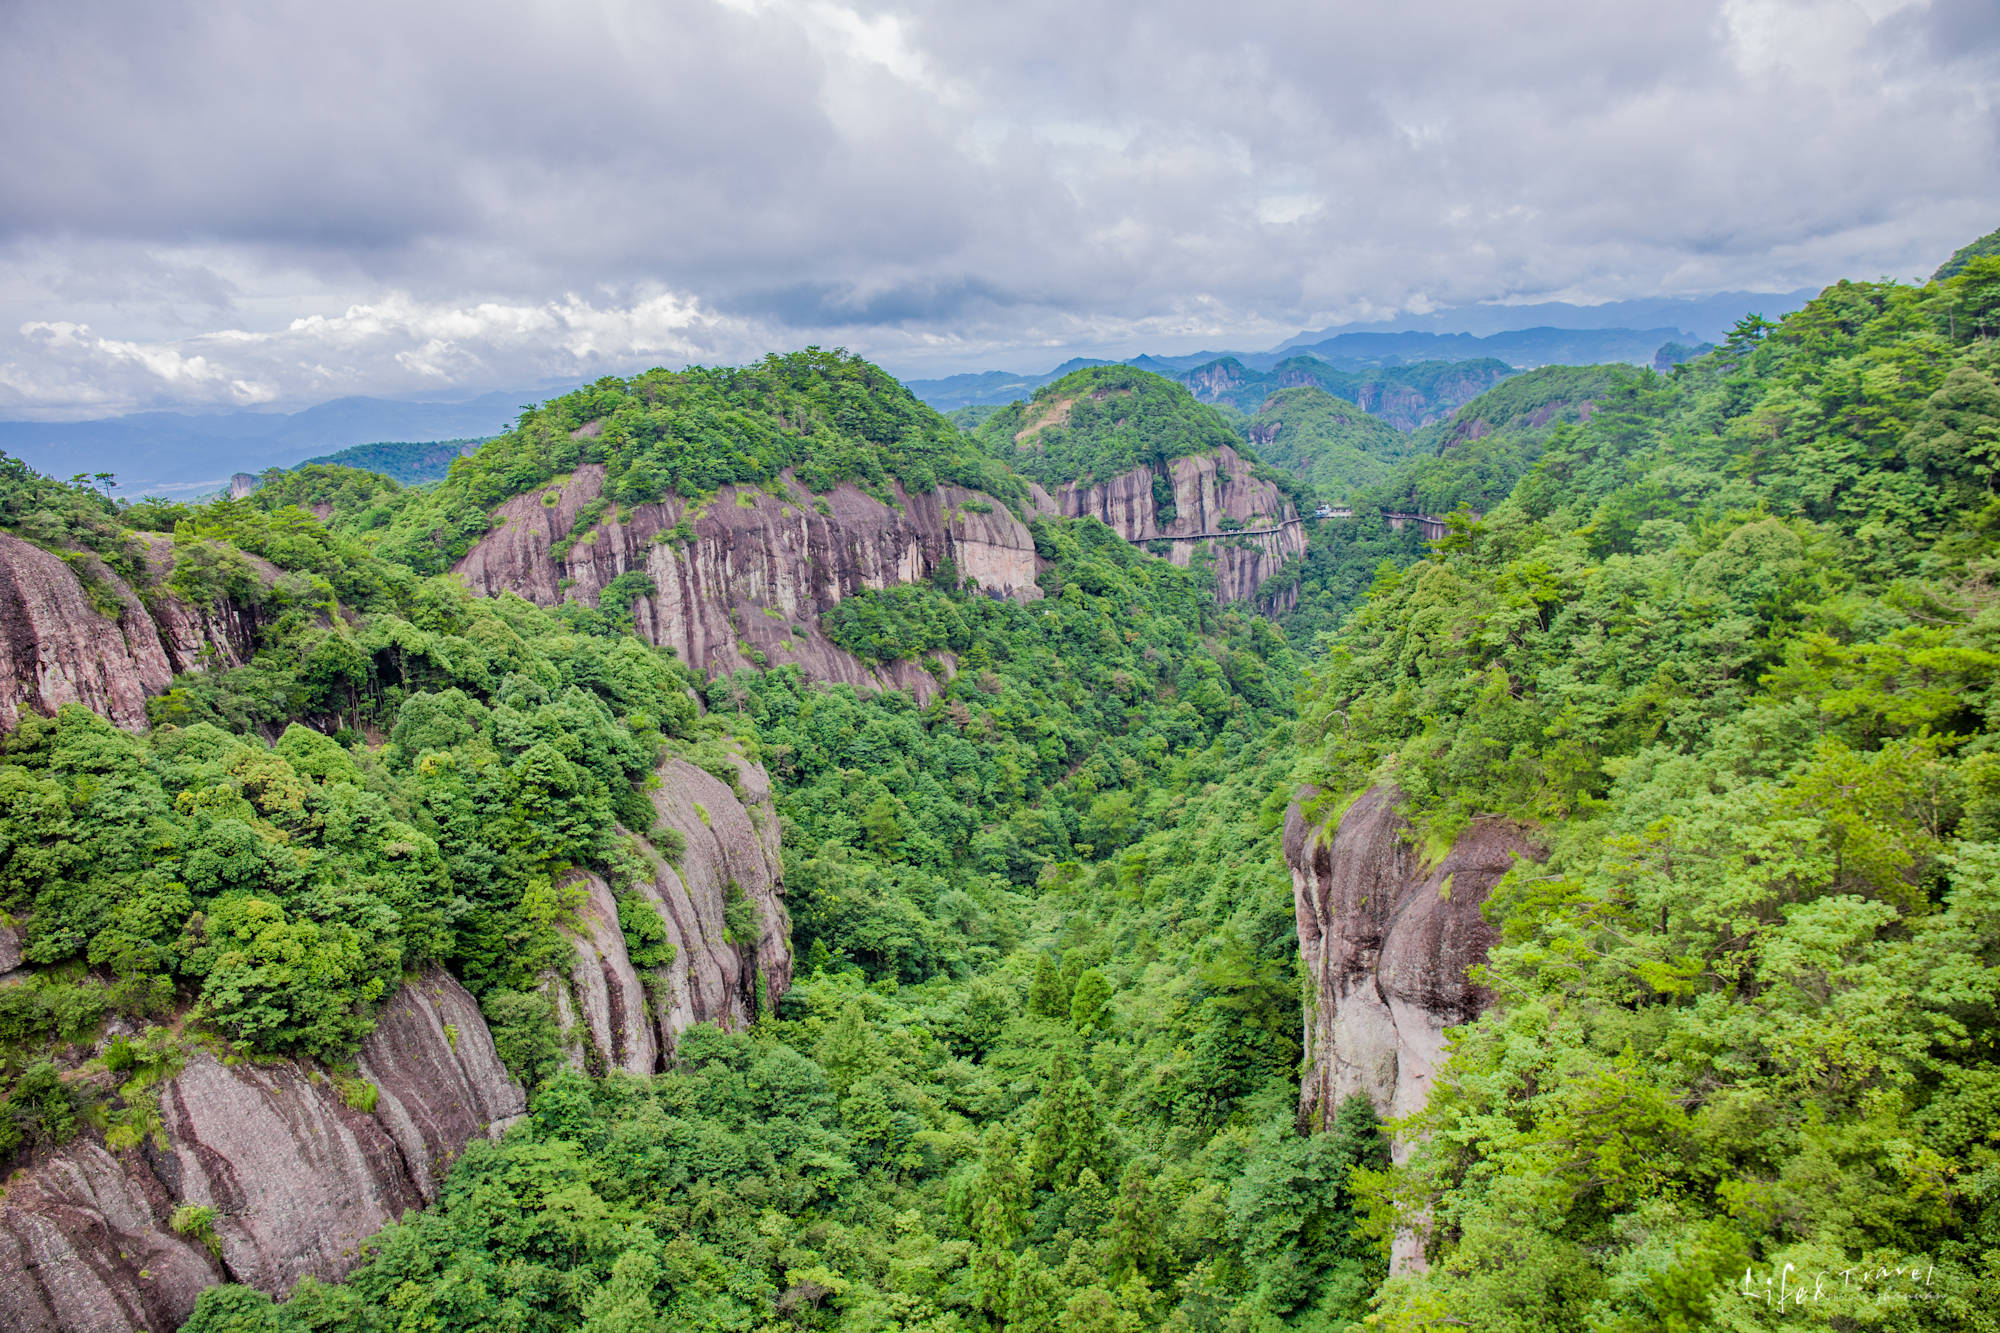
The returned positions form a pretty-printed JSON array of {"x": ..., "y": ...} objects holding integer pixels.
[
  {"x": 1138, "y": 1226},
  {"x": 1001, "y": 1194},
  {"x": 849, "y": 1051},
  {"x": 1086, "y": 1005},
  {"x": 1069, "y": 1138},
  {"x": 1045, "y": 993}
]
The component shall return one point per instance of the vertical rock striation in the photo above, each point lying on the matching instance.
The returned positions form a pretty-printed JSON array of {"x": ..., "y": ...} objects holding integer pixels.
[
  {"x": 751, "y": 572},
  {"x": 297, "y": 1178},
  {"x": 60, "y": 645},
  {"x": 1212, "y": 493},
  {"x": 1388, "y": 944},
  {"x": 619, "y": 1016}
]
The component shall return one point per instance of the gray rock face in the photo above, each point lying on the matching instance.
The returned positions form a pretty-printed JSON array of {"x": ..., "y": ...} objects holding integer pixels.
[
  {"x": 57, "y": 647},
  {"x": 618, "y": 1016},
  {"x": 297, "y": 1178},
  {"x": 1388, "y": 943},
  {"x": 759, "y": 570},
  {"x": 1211, "y": 492}
]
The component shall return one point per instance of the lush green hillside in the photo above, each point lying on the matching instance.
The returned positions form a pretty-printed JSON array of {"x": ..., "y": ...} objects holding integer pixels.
[
  {"x": 1731, "y": 645},
  {"x": 1985, "y": 247},
  {"x": 1097, "y": 423},
  {"x": 1405, "y": 396},
  {"x": 1730, "y": 641},
  {"x": 828, "y": 416},
  {"x": 1474, "y": 458},
  {"x": 282, "y": 889},
  {"x": 1328, "y": 443},
  {"x": 412, "y": 464}
]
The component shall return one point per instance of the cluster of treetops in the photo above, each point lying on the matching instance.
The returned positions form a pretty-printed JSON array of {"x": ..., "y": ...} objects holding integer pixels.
[{"x": 1725, "y": 640}]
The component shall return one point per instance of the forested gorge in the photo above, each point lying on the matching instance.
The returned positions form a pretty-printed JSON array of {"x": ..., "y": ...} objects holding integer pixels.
[{"x": 1725, "y": 637}]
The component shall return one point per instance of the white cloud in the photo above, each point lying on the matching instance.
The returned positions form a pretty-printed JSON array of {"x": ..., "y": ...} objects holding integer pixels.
[
  {"x": 397, "y": 344},
  {"x": 303, "y": 199}
]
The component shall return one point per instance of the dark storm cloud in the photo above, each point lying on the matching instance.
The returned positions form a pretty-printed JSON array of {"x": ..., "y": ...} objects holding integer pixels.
[{"x": 256, "y": 202}]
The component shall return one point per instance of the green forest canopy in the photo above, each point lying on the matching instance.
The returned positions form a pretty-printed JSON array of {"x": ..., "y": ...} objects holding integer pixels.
[
  {"x": 1729, "y": 643},
  {"x": 1098, "y": 423}
]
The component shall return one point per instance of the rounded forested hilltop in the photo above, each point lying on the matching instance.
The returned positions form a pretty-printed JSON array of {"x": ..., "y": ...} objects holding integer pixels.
[
  {"x": 828, "y": 416},
  {"x": 1097, "y": 423},
  {"x": 1478, "y": 454},
  {"x": 1328, "y": 442}
]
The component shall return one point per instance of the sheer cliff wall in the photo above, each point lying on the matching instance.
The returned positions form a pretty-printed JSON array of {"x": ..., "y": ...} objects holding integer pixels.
[
  {"x": 747, "y": 578},
  {"x": 1388, "y": 944},
  {"x": 1212, "y": 493}
]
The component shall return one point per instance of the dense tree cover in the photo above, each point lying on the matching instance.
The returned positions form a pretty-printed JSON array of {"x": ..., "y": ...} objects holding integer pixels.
[
  {"x": 1344, "y": 561},
  {"x": 1474, "y": 458},
  {"x": 1038, "y": 1071},
  {"x": 1331, "y": 445},
  {"x": 1096, "y": 423},
  {"x": 826, "y": 416},
  {"x": 1044, "y": 749},
  {"x": 972, "y": 415},
  {"x": 1985, "y": 247},
  {"x": 401, "y": 774},
  {"x": 827, "y": 1172},
  {"x": 346, "y": 496},
  {"x": 411, "y": 463},
  {"x": 1733, "y": 645},
  {"x": 1422, "y": 391},
  {"x": 282, "y": 889}
]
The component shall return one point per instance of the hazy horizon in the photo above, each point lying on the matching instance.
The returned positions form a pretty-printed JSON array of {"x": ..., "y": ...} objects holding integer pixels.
[{"x": 284, "y": 205}]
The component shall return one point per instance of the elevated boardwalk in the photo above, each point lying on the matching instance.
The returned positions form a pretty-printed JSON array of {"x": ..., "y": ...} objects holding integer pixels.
[
  {"x": 1234, "y": 532},
  {"x": 1434, "y": 526}
]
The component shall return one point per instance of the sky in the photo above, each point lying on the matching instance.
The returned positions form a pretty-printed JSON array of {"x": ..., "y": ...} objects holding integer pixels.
[{"x": 270, "y": 204}]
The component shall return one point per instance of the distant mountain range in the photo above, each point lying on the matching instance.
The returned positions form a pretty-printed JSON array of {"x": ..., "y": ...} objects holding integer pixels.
[
  {"x": 1707, "y": 317},
  {"x": 183, "y": 454},
  {"x": 1352, "y": 354},
  {"x": 1551, "y": 333}
]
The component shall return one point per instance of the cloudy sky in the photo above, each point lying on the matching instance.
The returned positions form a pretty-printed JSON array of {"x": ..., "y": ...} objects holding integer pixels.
[{"x": 236, "y": 204}]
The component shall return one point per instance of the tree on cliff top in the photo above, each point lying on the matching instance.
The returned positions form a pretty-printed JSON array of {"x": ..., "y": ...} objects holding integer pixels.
[{"x": 1100, "y": 422}]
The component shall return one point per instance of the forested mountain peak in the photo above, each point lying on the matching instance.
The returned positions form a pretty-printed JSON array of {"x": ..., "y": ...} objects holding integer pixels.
[
  {"x": 1096, "y": 423},
  {"x": 821, "y": 416},
  {"x": 1329, "y": 443},
  {"x": 1985, "y": 247}
]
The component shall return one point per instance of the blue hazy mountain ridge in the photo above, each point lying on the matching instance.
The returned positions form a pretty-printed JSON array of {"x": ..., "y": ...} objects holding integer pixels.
[
  {"x": 1523, "y": 349},
  {"x": 1550, "y": 333},
  {"x": 1707, "y": 317},
  {"x": 178, "y": 453}
]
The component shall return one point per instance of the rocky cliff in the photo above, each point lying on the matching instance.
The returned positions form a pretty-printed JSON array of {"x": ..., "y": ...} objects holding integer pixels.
[
  {"x": 1212, "y": 493},
  {"x": 1388, "y": 942},
  {"x": 297, "y": 1178},
  {"x": 1410, "y": 407},
  {"x": 618, "y": 1016},
  {"x": 107, "y": 645},
  {"x": 745, "y": 580}
]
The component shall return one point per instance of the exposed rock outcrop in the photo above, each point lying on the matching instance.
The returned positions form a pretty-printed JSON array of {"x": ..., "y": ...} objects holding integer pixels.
[
  {"x": 618, "y": 1016},
  {"x": 756, "y": 570},
  {"x": 1211, "y": 494},
  {"x": 1388, "y": 943},
  {"x": 298, "y": 1179},
  {"x": 1408, "y": 407},
  {"x": 57, "y": 646}
]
